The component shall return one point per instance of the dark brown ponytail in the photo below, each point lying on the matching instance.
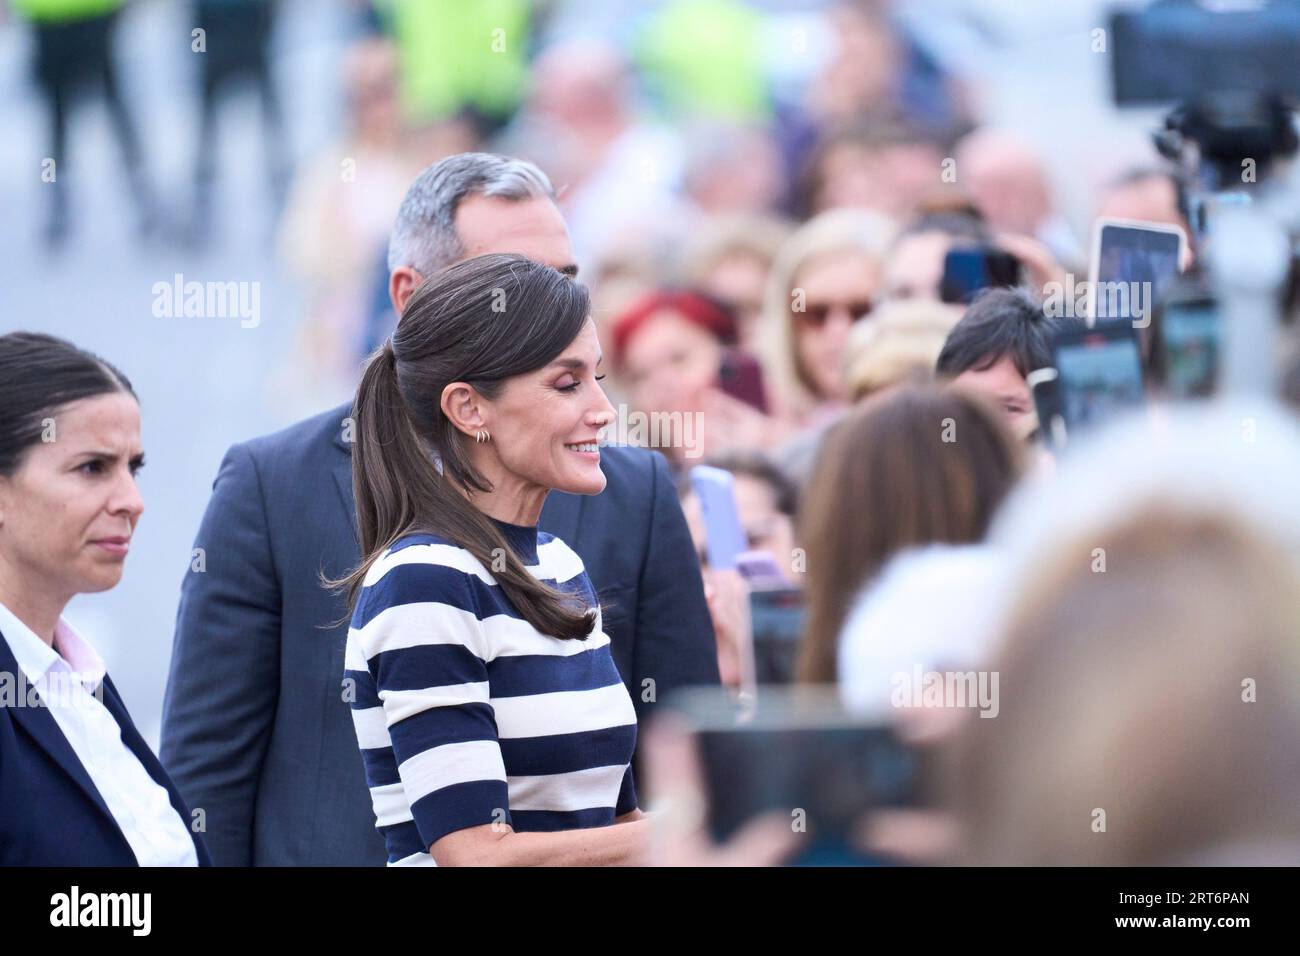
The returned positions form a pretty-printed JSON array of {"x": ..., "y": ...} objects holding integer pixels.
[{"x": 481, "y": 321}]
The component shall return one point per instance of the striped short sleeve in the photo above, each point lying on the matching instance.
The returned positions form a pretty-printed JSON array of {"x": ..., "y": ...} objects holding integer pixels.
[
  {"x": 626, "y": 795},
  {"x": 422, "y": 710}
]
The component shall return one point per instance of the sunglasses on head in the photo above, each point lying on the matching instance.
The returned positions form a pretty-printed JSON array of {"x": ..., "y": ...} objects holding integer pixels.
[{"x": 816, "y": 314}]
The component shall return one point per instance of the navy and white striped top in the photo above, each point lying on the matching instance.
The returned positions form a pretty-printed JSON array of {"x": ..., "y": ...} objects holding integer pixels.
[{"x": 466, "y": 715}]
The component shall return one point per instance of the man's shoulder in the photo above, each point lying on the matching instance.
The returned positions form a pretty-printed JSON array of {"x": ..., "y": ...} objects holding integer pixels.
[
  {"x": 627, "y": 468},
  {"x": 305, "y": 439}
]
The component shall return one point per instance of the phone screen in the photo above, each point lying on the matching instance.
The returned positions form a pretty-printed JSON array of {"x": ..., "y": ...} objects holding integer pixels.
[
  {"x": 777, "y": 618},
  {"x": 1047, "y": 403},
  {"x": 967, "y": 271},
  {"x": 1134, "y": 269},
  {"x": 1098, "y": 374},
  {"x": 1190, "y": 334},
  {"x": 741, "y": 376},
  {"x": 726, "y": 537}
]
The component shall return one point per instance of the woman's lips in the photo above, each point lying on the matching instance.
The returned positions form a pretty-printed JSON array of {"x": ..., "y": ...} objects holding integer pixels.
[{"x": 117, "y": 547}]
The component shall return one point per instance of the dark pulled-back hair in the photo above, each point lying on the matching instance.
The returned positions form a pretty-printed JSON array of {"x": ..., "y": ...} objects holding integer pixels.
[
  {"x": 1000, "y": 323},
  {"x": 40, "y": 374},
  {"x": 481, "y": 321}
]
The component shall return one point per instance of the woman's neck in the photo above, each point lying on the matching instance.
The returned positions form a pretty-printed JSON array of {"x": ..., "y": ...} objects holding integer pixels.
[
  {"x": 520, "y": 510},
  {"x": 512, "y": 499},
  {"x": 509, "y": 500},
  {"x": 31, "y": 605}
]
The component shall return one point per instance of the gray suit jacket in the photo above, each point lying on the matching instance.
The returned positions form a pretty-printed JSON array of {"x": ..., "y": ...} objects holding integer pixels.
[{"x": 255, "y": 729}]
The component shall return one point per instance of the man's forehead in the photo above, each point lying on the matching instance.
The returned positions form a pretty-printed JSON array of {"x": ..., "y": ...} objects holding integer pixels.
[{"x": 489, "y": 221}]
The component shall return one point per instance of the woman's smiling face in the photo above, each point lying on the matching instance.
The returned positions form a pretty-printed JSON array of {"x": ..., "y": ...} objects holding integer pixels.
[
  {"x": 545, "y": 424},
  {"x": 68, "y": 513}
]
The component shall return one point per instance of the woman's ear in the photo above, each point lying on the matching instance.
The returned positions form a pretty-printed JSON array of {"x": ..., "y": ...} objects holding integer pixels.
[{"x": 461, "y": 404}]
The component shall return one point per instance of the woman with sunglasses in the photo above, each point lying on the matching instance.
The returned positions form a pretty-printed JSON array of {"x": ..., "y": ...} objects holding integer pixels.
[{"x": 826, "y": 278}]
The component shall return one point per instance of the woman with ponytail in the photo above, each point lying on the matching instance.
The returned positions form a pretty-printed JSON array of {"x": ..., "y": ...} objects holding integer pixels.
[{"x": 493, "y": 724}]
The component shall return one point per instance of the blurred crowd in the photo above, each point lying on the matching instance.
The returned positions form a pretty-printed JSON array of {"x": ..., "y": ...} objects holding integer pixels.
[{"x": 764, "y": 249}]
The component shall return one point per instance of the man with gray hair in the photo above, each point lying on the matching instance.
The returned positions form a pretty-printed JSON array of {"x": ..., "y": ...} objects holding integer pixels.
[{"x": 257, "y": 730}]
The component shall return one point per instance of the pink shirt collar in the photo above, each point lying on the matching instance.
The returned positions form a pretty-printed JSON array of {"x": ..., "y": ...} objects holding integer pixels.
[
  {"x": 70, "y": 651},
  {"x": 83, "y": 659}
]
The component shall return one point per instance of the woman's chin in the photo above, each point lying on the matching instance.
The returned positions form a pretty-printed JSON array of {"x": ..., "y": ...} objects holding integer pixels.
[{"x": 592, "y": 484}]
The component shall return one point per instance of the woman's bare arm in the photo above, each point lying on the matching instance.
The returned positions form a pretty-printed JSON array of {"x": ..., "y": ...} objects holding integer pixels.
[{"x": 495, "y": 845}]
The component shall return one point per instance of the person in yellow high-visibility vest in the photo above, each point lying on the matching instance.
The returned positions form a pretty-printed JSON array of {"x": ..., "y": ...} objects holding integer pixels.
[{"x": 457, "y": 58}]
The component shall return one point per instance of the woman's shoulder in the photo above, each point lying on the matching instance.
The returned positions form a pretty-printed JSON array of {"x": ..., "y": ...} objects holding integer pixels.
[
  {"x": 424, "y": 548},
  {"x": 421, "y": 568}
]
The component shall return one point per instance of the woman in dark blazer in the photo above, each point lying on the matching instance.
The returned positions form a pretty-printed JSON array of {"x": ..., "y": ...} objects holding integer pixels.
[{"x": 78, "y": 784}]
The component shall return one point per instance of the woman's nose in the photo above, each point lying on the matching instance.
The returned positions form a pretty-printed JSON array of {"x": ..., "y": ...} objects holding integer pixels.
[
  {"x": 127, "y": 499},
  {"x": 604, "y": 413}
]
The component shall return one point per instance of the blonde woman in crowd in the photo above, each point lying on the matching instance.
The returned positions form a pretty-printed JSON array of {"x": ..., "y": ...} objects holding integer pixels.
[
  {"x": 825, "y": 278},
  {"x": 731, "y": 258}
]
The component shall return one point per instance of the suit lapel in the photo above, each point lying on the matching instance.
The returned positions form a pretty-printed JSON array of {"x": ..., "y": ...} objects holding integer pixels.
[
  {"x": 42, "y": 727},
  {"x": 343, "y": 478}
]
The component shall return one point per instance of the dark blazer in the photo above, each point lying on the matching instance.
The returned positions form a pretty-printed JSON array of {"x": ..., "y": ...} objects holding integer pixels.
[
  {"x": 51, "y": 814},
  {"x": 255, "y": 728}
]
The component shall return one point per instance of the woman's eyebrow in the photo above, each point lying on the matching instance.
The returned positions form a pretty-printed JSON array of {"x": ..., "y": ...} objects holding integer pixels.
[
  {"x": 573, "y": 363},
  {"x": 92, "y": 454}
]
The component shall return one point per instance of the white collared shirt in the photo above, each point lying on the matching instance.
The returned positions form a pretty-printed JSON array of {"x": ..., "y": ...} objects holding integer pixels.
[{"x": 67, "y": 678}]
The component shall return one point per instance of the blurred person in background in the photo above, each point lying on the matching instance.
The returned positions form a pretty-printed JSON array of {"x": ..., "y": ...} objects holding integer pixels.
[
  {"x": 1006, "y": 179},
  {"x": 765, "y": 500},
  {"x": 74, "y": 51},
  {"x": 633, "y": 264},
  {"x": 617, "y": 172},
  {"x": 255, "y": 727},
  {"x": 1187, "y": 769},
  {"x": 1147, "y": 650},
  {"x": 730, "y": 169},
  {"x": 1003, "y": 336},
  {"x": 886, "y": 169},
  {"x": 879, "y": 70},
  {"x": 460, "y": 61},
  {"x": 671, "y": 351},
  {"x": 914, "y": 265},
  {"x": 766, "y": 503},
  {"x": 729, "y": 258},
  {"x": 340, "y": 211},
  {"x": 1146, "y": 194},
  {"x": 78, "y": 784},
  {"x": 900, "y": 344},
  {"x": 825, "y": 278},
  {"x": 915, "y": 261},
  {"x": 911, "y": 466},
  {"x": 236, "y": 47},
  {"x": 704, "y": 58}
]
